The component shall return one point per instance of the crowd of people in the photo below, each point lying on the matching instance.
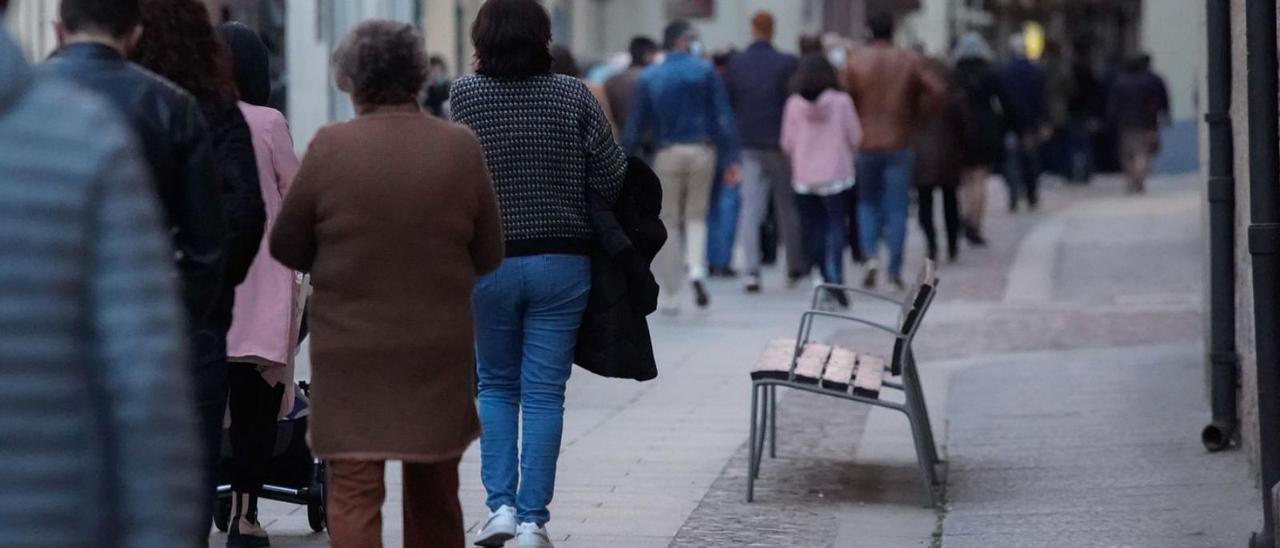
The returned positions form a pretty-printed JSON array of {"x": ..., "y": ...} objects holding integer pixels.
[{"x": 455, "y": 235}]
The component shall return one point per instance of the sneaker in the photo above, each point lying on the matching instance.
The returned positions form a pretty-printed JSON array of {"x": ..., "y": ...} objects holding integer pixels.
[
  {"x": 244, "y": 530},
  {"x": 723, "y": 272},
  {"x": 498, "y": 529},
  {"x": 898, "y": 284},
  {"x": 840, "y": 297},
  {"x": 794, "y": 279},
  {"x": 530, "y": 535},
  {"x": 700, "y": 295},
  {"x": 869, "y": 281},
  {"x": 753, "y": 283}
]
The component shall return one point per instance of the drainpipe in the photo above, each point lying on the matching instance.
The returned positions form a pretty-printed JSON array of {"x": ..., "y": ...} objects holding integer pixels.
[
  {"x": 1224, "y": 363},
  {"x": 1264, "y": 242}
]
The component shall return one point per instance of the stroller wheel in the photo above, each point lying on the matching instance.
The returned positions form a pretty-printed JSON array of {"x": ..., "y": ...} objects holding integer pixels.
[
  {"x": 317, "y": 517},
  {"x": 222, "y": 513}
]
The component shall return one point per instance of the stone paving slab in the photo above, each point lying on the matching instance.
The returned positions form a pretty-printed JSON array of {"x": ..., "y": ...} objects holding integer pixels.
[{"x": 1091, "y": 448}]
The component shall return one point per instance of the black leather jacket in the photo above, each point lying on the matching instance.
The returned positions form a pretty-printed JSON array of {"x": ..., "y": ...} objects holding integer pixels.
[{"x": 168, "y": 122}]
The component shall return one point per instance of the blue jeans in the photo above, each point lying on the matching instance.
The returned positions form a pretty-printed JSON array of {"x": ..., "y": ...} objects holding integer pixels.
[
  {"x": 884, "y": 182},
  {"x": 527, "y": 318},
  {"x": 722, "y": 222},
  {"x": 823, "y": 221}
]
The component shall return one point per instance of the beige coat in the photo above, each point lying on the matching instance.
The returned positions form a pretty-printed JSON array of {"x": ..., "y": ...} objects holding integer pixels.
[{"x": 394, "y": 216}]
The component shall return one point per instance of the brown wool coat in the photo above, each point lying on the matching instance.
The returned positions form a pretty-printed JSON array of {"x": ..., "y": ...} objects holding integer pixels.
[{"x": 394, "y": 215}]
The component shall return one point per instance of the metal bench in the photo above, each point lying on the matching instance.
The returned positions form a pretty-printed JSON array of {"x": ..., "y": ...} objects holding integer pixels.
[{"x": 850, "y": 374}]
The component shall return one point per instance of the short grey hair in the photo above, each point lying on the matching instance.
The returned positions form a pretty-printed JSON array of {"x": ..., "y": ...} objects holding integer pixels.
[{"x": 381, "y": 63}]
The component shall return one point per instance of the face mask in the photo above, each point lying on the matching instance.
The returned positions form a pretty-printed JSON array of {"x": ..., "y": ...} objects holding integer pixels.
[
  {"x": 837, "y": 57},
  {"x": 697, "y": 49}
]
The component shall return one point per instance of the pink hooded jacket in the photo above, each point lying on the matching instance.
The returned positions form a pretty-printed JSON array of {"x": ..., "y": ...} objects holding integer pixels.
[
  {"x": 822, "y": 139},
  {"x": 263, "y": 328}
]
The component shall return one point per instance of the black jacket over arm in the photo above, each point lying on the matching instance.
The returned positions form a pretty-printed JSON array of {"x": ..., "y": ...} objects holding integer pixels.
[
  {"x": 241, "y": 200},
  {"x": 614, "y": 339}
]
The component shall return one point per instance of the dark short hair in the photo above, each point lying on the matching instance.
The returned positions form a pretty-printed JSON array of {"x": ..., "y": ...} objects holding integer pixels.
[
  {"x": 381, "y": 63},
  {"x": 641, "y": 47},
  {"x": 674, "y": 32},
  {"x": 814, "y": 75},
  {"x": 438, "y": 61},
  {"x": 810, "y": 43},
  {"x": 115, "y": 17},
  {"x": 881, "y": 25},
  {"x": 512, "y": 39},
  {"x": 563, "y": 62}
]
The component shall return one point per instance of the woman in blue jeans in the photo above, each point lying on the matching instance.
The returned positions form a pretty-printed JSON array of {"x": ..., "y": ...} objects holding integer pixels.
[
  {"x": 821, "y": 133},
  {"x": 547, "y": 144}
]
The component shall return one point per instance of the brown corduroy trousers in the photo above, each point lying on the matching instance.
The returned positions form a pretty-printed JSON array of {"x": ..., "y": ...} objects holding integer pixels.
[{"x": 432, "y": 513}]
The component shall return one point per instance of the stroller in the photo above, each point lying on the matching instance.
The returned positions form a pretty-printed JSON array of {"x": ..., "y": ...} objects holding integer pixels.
[{"x": 294, "y": 475}]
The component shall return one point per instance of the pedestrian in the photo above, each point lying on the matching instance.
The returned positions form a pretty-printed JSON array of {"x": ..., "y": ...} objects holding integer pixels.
[
  {"x": 1085, "y": 109},
  {"x": 394, "y": 216},
  {"x": 95, "y": 36},
  {"x": 1138, "y": 106},
  {"x": 821, "y": 133},
  {"x": 887, "y": 83},
  {"x": 726, "y": 200},
  {"x": 621, "y": 87},
  {"x": 99, "y": 445},
  {"x": 436, "y": 98},
  {"x": 1022, "y": 84},
  {"x": 563, "y": 62},
  {"x": 262, "y": 337},
  {"x": 180, "y": 44},
  {"x": 757, "y": 82},
  {"x": 983, "y": 123},
  {"x": 939, "y": 166},
  {"x": 683, "y": 101},
  {"x": 548, "y": 145}
]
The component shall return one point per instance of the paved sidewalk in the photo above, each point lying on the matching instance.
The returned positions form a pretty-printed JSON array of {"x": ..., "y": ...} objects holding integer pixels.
[{"x": 1081, "y": 301}]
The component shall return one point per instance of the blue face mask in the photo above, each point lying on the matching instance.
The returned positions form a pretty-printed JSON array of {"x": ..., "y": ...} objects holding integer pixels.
[
  {"x": 837, "y": 57},
  {"x": 697, "y": 49}
]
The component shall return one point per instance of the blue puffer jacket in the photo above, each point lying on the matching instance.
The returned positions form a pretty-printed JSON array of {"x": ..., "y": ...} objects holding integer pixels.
[{"x": 97, "y": 433}]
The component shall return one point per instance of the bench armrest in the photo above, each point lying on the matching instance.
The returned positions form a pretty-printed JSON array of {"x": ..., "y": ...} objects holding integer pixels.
[{"x": 806, "y": 325}]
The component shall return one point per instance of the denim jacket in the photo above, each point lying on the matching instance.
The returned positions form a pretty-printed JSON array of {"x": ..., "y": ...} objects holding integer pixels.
[{"x": 683, "y": 101}]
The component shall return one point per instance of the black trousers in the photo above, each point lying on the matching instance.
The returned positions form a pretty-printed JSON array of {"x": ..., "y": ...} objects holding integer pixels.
[
  {"x": 211, "y": 405},
  {"x": 1022, "y": 171},
  {"x": 855, "y": 241},
  {"x": 950, "y": 216},
  {"x": 254, "y": 407}
]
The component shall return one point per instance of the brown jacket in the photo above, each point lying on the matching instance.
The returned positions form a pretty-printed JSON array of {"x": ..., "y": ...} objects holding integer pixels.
[
  {"x": 394, "y": 216},
  {"x": 886, "y": 83}
]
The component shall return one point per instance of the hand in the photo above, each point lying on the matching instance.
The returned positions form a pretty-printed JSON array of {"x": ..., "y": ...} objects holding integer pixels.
[{"x": 733, "y": 175}]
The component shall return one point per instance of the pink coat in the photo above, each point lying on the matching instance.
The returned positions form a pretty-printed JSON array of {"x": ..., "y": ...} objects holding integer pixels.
[
  {"x": 822, "y": 138},
  {"x": 262, "y": 328}
]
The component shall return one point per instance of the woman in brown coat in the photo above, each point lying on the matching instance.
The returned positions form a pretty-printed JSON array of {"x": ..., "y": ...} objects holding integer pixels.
[{"x": 394, "y": 215}]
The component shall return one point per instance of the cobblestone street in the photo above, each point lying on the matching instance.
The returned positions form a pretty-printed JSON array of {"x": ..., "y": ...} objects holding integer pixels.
[{"x": 1063, "y": 371}]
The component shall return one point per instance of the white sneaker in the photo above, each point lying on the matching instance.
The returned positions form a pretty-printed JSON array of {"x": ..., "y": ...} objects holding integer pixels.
[
  {"x": 498, "y": 529},
  {"x": 529, "y": 535}
]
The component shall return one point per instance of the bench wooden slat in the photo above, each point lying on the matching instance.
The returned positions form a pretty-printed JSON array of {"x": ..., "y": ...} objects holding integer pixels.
[
  {"x": 840, "y": 367},
  {"x": 775, "y": 361},
  {"x": 869, "y": 375},
  {"x": 813, "y": 359}
]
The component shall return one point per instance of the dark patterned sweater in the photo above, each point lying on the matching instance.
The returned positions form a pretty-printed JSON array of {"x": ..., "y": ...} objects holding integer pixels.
[{"x": 546, "y": 142}]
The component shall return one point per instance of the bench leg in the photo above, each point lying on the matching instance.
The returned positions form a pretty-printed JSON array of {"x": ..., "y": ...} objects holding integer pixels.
[
  {"x": 773, "y": 422},
  {"x": 915, "y": 399},
  {"x": 751, "y": 442},
  {"x": 763, "y": 428},
  {"x": 928, "y": 475}
]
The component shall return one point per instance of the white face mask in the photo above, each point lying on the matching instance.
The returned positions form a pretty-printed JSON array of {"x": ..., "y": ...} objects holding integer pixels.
[
  {"x": 697, "y": 49},
  {"x": 837, "y": 57}
]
